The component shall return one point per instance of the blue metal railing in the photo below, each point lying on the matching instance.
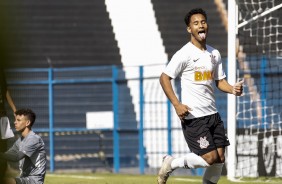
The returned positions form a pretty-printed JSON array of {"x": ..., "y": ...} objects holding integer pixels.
[{"x": 52, "y": 80}]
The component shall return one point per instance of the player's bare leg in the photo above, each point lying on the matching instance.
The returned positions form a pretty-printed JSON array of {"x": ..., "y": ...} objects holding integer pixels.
[{"x": 213, "y": 173}]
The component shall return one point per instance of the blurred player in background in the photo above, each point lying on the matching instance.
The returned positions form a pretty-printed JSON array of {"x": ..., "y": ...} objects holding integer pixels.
[
  {"x": 28, "y": 150},
  {"x": 198, "y": 65},
  {"x": 5, "y": 129}
]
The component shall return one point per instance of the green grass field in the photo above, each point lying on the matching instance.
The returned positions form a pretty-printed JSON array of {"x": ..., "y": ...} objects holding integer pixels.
[{"x": 94, "y": 178}]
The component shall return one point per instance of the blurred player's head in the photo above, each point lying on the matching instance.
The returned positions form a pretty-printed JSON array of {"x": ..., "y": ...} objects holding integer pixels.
[{"x": 196, "y": 21}]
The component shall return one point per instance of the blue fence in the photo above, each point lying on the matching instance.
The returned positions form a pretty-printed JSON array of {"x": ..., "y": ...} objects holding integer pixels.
[{"x": 144, "y": 124}]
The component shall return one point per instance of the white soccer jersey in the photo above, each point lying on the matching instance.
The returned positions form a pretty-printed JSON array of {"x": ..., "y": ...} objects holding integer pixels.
[{"x": 197, "y": 70}]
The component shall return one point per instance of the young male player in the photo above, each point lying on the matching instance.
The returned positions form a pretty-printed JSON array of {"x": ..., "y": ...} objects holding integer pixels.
[
  {"x": 29, "y": 150},
  {"x": 198, "y": 65}
]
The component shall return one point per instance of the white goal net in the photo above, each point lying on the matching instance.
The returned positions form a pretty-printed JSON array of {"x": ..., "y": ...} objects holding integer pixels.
[{"x": 259, "y": 112}]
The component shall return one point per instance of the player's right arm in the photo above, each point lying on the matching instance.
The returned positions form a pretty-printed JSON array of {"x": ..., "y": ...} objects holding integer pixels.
[
  {"x": 181, "y": 109},
  {"x": 5, "y": 90},
  {"x": 10, "y": 101}
]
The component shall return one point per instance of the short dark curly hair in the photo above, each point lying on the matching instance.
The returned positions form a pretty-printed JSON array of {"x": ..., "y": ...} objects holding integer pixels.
[
  {"x": 193, "y": 12},
  {"x": 28, "y": 113}
]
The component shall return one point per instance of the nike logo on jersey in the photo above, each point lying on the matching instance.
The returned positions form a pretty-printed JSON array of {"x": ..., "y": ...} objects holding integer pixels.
[{"x": 195, "y": 60}]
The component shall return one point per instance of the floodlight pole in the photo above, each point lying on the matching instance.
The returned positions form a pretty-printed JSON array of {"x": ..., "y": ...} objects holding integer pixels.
[{"x": 231, "y": 107}]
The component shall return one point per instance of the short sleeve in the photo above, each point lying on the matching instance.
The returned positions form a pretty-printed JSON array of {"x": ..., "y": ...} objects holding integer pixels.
[
  {"x": 176, "y": 66},
  {"x": 30, "y": 146},
  {"x": 218, "y": 72}
]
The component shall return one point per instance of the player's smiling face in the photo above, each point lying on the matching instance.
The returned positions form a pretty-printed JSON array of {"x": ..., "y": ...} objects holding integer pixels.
[{"x": 198, "y": 28}]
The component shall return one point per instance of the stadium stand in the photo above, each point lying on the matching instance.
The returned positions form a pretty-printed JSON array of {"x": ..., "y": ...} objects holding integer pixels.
[
  {"x": 60, "y": 33},
  {"x": 67, "y": 34}
]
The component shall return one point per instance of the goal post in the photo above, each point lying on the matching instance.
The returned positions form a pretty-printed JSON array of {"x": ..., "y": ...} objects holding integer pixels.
[
  {"x": 254, "y": 124},
  {"x": 231, "y": 108}
]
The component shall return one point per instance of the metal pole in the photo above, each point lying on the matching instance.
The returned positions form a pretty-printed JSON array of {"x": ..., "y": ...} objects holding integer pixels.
[
  {"x": 51, "y": 120},
  {"x": 116, "y": 123},
  {"x": 169, "y": 137},
  {"x": 141, "y": 123},
  {"x": 263, "y": 92}
]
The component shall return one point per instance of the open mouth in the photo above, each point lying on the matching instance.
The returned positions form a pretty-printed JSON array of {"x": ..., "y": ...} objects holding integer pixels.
[{"x": 202, "y": 34}]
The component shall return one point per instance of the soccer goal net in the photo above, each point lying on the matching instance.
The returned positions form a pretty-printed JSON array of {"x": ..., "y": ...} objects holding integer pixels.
[{"x": 258, "y": 150}]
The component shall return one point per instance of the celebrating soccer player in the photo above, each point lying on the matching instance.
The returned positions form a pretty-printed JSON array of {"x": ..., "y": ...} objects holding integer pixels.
[{"x": 198, "y": 65}]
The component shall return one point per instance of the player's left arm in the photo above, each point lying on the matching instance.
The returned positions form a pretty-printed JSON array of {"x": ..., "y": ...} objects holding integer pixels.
[
  {"x": 13, "y": 154},
  {"x": 236, "y": 89},
  {"x": 220, "y": 79}
]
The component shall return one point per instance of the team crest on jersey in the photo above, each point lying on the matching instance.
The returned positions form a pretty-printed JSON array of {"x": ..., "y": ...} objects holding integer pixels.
[
  {"x": 203, "y": 142},
  {"x": 213, "y": 60}
]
